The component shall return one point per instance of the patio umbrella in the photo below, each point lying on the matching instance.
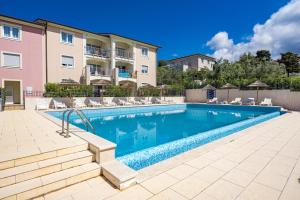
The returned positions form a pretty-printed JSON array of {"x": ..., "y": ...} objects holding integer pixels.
[
  {"x": 147, "y": 85},
  {"x": 228, "y": 86},
  {"x": 163, "y": 87},
  {"x": 209, "y": 89},
  {"x": 258, "y": 84}
]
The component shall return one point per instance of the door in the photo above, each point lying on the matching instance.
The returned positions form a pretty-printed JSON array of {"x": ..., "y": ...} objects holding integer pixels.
[{"x": 9, "y": 94}]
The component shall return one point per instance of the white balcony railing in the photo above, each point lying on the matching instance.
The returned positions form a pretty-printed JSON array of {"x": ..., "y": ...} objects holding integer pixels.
[
  {"x": 97, "y": 51},
  {"x": 122, "y": 53}
]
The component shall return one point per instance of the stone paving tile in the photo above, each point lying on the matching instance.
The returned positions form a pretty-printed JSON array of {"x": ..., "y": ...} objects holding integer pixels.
[
  {"x": 190, "y": 186},
  {"x": 223, "y": 190},
  {"x": 239, "y": 177},
  {"x": 182, "y": 171},
  {"x": 134, "y": 193},
  {"x": 168, "y": 194},
  {"x": 159, "y": 183},
  {"x": 256, "y": 191}
]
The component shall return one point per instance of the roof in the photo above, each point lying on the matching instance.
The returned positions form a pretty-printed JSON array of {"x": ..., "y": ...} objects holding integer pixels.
[
  {"x": 21, "y": 21},
  {"x": 193, "y": 55},
  {"x": 43, "y": 21},
  {"x": 108, "y": 34}
]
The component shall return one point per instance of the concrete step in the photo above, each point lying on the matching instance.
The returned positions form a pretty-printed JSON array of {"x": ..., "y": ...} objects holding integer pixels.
[
  {"x": 42, "y": 185},
  {"x": 31, "y": 158},
  {"x": 119, "y": 174},
  {"x": 37, "y": 169}
]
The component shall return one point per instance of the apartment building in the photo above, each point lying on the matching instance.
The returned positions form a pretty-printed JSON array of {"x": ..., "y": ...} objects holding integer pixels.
[
  {"x": 22, "y": 58},
  {"x": 195, "y": 61},
  {"x": 97, "y": 59}
]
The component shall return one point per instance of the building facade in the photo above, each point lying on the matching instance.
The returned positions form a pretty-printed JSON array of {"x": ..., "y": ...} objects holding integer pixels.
[
  {"x": 195, "y": 61},
  {"x": 22, "y": 55},
  {"x": 97, "y": 59},
  {"x": 39, "y": 52}
]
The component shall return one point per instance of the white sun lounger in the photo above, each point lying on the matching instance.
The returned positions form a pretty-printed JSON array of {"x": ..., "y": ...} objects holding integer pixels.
[
  {"x": 237, "y": 101},
  {"x": 94, "y": 103},
  {"x": 124, "y": 103},
  {"x": 78, "y": 103},
  {"x": 59, "y": 104},
  {"x": 213, "y": 101},
  {"x": 42, "y": 104},
  {"x": 266, "y": 102},
  {"x": 145, "y": 102}
]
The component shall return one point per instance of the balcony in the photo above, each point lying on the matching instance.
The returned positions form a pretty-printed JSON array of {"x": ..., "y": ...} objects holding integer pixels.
[
  {"x": 97, "y": 51},
  {"x": 125, "y": 74},
  {"x": 124, "y": 54}
]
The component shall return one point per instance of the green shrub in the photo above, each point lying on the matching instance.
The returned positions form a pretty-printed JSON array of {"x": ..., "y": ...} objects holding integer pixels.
[
  {"x": 116, "y": 91},
  {"x": 146, "y": 92},
  {"x": 3, "y": 95},
  {"x": 295, "y": 83},
  {"x": 57, "y": 90}
]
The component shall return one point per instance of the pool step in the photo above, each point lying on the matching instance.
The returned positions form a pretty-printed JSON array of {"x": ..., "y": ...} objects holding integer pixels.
[
  {"x": 119, "y": 174},
  {"x": 47, "y": 183},
  {"x": 37, "y": 169},
  {"x": 31, "y": 158}
]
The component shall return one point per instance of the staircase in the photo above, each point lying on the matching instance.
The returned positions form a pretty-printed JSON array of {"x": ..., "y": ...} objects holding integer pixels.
[{"x": 37, "y": 175}]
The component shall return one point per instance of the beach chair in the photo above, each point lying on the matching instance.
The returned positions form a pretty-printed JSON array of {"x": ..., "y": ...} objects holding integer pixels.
[
  {"x": 78, "y": 103},
  {"x": 145, "y": 102},
  {"x": 251, "y": 101},
  {"x": 59, "y": 104},
  {"x": 109, "y": 104},
  {"x": 213, "y": 100},
  {"x": 42, "y": 104},
  {"x": 123, "y": 102},
  {"x": 266, "y": 102},
  {"x": 93, "y": 103},
  {"x": 236, "y": 101}
]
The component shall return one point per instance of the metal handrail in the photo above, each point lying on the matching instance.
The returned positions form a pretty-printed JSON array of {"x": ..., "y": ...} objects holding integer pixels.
[{"x": 81, "y": 115}]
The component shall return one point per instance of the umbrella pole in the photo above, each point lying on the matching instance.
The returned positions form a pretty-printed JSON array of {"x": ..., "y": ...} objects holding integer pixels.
[
  {"x": 227, "y": 95},
  {"x": 256, "y": 96}
]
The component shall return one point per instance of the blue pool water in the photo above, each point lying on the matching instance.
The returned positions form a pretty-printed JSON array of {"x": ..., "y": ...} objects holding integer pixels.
[{"x": 148, "y": 134}]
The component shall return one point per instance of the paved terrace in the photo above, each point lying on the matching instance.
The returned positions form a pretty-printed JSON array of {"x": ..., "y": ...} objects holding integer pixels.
[{"x": 261, "y": 162}]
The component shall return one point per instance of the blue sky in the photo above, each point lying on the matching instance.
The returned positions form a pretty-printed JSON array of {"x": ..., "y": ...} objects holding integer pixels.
[{"x": 180, "y": 27}]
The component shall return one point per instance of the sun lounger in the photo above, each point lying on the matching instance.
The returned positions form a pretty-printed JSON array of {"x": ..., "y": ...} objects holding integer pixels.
[
  {"x": 133, "y": 101},
  {"x": 145, "y": 102},
  {"x": 236, "y": 101},
  {"x": 108, "y": 104},
  {"x": 42, "y": 104},
  {"x": 59, "y": 104},
  {"x": 123, "y": 103},
  {"x": 213, "y": 100},
  {"x": 266, "y": 102},
  {"x": 94, "y": 103},
  {"x": 78, "y": 103},
  {"x": 251, "y": 101},
  {"x": 159, "y": 101}
]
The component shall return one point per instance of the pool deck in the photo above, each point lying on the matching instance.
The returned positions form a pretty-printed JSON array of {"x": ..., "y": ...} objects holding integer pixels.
[{"x": 261, "y": 162}]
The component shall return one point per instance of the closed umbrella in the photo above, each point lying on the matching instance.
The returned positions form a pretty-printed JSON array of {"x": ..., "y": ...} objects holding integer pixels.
[
  {"x": 228, "y": 86},
  {"x": 258, "y": 84},
  {"x": 209, "y": 88}
]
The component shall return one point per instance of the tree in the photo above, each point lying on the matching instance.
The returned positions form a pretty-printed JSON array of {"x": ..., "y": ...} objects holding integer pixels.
[
  {"x": 290, "y": 61},
  {"x": 162, "y": 63},
  {"x": 263, "y": 55}
]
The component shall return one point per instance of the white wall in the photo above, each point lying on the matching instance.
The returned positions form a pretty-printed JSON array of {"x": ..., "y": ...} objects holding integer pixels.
[{"x": 285, "y": 98}]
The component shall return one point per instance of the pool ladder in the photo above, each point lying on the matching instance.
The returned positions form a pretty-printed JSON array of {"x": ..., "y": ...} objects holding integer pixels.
[{"x": 81, "y": 115}]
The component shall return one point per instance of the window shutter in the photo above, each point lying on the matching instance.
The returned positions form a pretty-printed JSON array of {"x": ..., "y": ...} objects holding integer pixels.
[{"x": 11, "y": 60}]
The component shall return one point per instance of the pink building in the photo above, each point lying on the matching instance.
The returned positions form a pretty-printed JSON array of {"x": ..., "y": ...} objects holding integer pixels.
[{"x": 22, "y": 58}]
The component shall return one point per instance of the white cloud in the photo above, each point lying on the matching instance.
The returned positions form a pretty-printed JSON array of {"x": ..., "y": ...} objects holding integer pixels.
[{"x": 280, "y": 33}]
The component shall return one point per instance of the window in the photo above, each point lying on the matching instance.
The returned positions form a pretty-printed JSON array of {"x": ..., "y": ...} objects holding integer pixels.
[
  {"x": 67, "y": 61},
  {"x": 144, "y": 69},
  {"x": 12, "y": 32},
  {"x": 66, "y": 37},
  {"x": 11, "y": 60},
  {"x": 144, "y": 51}
]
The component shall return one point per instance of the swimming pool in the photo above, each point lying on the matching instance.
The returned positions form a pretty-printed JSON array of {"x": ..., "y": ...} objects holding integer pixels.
[{"x": 148, "y": 134}]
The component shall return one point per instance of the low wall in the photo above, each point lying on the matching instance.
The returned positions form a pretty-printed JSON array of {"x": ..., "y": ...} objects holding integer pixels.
[
  {"x": 285, "y": 98},
  {"x": 31, "y": 102}
]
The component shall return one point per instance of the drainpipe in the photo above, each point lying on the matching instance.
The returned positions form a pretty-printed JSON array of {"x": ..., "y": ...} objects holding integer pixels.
[{"x": 46, "y": 52}]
